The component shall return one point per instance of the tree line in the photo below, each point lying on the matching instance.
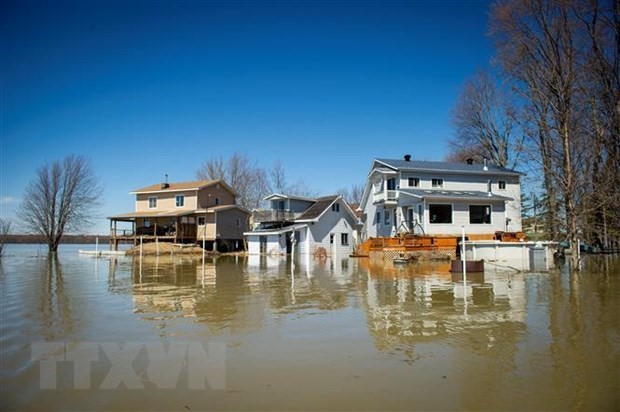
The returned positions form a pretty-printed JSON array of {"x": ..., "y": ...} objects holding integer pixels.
[{"x": 552, "y": 109}]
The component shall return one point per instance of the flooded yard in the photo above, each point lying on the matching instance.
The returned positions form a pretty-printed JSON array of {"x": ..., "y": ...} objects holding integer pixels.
[{"x": 252, "y": 333}]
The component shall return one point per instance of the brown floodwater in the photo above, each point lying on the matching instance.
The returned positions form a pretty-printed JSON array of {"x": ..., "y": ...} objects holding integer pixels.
[{"x": 282, "y": 335}]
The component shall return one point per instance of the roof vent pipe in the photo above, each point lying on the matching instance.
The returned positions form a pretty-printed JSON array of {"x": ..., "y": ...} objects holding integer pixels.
[
  {"x": 469, "y": 161},
  {"x": 485, "y": 166},
  {"x": 407, "y": 158},
  {"x": 165, "y": 185}
]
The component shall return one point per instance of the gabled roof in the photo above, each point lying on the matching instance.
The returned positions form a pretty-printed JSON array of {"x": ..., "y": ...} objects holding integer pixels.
[
  {"x": 182, "y": 186},
  {"x": 425, "y": 165},
  {"x": 317, "y": 209},
  {"x": 453, "y": 194}
]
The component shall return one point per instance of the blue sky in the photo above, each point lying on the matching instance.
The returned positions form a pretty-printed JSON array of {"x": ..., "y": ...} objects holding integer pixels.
[{"x": 145, "y": 88}]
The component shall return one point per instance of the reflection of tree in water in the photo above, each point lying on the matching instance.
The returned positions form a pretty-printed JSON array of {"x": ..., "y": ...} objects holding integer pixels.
[{"x": 54, "y": 305}]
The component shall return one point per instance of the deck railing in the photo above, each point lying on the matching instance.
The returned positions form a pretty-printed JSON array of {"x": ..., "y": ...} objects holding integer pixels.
[
  {"x": 273, "y": 215},
  {"x": 385, "y": 196}
]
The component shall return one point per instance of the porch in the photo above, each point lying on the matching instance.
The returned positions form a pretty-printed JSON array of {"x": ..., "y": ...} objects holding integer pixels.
[{"x": 175, "y": 227}]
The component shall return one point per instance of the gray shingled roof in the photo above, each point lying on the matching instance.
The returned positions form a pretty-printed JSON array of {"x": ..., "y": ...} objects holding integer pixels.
[
  {"x": 401, "y": 164},
  {"x": 317, "y": 208},
  {"x": 452, "y": 194}
]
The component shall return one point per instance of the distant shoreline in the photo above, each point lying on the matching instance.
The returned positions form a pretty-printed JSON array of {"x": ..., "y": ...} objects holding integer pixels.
[{"x": 67, "y": 239}]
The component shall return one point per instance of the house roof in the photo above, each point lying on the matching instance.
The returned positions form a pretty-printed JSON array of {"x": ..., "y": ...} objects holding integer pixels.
[
  {"x": 425, "y": 165},
  {"x": 151, "y": 214},
  {"x": 182, "y": 186},
  {"x": 221, "y": 208},
  {"x": 453, "y": 194},
  {"x": 294, "y": 197},
  {"x": 317, "y": 209}
]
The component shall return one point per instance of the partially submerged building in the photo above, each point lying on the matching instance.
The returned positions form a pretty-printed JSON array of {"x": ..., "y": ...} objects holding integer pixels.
[
  {"x": 304, "y": 226},
  {"x": 201, "y": 211}
]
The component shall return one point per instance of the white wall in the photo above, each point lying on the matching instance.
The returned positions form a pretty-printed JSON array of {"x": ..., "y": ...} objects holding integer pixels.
[{"x": 336, "y": 223}]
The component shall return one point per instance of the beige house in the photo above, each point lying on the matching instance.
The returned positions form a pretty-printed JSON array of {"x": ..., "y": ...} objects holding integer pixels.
[{"x": 184, "y": 212}]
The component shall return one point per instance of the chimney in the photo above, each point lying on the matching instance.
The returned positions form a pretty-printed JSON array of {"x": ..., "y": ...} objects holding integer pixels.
[
  {"x": 485, "y": 166},
  {"x": 407, "y": 158},
  {"x": 469, "y": 161},
  {"x": 165, "y": 185}
]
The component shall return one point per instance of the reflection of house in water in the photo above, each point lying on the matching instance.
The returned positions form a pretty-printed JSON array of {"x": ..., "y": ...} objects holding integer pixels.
[{"x": 410, "y": 308}]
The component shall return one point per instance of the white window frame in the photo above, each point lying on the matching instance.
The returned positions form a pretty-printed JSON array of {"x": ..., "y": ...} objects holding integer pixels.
[
  {"x": 501, "y": 183},
  {"x": 416, "y": 182},
  {"x": 204, "y": 221},
  {"x": 344, "y": 239},
  {"x": 155, "y": 203},
  {"x": 336, "y": 207},
  {"x": 439, "y": 184},
  {"x": 176, "y": 200}
]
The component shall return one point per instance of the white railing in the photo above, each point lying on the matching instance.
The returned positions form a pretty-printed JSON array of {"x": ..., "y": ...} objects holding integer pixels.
[{"x": 385, "y": 196}]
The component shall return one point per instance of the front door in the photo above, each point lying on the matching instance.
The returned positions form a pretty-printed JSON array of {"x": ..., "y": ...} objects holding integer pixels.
[{"x": 410, "y": 218}]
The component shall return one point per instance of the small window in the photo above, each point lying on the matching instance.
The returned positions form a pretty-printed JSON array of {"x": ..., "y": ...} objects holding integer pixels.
[
  {"x": 386, "y": 217},
  {"x": 331, "y": 238},
  {"x": 414, "y": 181},
  {"x": 437, "y": 182},
  {"x": 180, "y": 200},
  {"x": 502, "y": 184},
  {"x": 440, "y": 213},
  {"x": 336, "y": 207},
  {"x": 238, "y": 222},
  {"x": 153, "y": 202},
  {"x": 344, "y": 239},
  {"x": 201, "y": 220},
  {"x": 217, "y": 200},
  {"x": 480, "y": 214},
  {"x": 378, "y": 220}
]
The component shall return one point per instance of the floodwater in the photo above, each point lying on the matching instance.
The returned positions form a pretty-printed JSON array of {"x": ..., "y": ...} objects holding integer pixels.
[{"x": 282, "y": 335}]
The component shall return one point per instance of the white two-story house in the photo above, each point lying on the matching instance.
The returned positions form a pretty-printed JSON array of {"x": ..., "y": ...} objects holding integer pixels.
[{"x": 440, "y": 198}]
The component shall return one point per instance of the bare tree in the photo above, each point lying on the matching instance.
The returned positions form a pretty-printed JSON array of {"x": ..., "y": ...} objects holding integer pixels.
[
  {"x": 5, "y": 229},
  {"x": 61, "y": 198},
  {"x": 242, "y": 174},
  {"x": 562, "y": 56},
  {"x": 352, "y": 195},
  {"x": 278, "y": 183},
  {"x": 484, "y": 123}
]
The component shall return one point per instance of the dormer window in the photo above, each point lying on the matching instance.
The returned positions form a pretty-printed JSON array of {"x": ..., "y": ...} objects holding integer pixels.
[
  {"x": 336, "y": 207},
  {"x": 152, "y": 202},
  {"x": 180, "y": 200},
  {"x": 437, "y": 183}
]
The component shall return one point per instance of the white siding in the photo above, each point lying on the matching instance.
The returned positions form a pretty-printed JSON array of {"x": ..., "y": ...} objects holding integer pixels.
[{"x": 334, "y": 223}]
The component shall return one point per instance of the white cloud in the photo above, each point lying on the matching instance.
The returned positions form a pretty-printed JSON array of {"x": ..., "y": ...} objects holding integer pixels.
[{"x": 7, "y": 200}]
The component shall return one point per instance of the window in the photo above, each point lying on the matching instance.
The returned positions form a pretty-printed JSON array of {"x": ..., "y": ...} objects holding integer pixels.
[
  {"x": 414, "y": 181},
  {"x": 238, "y": 222},
  {"x": 331, "y": 238},
  {"x": 344, "y": 239},
  {"x": 502, "y": 184},
  {"x": 281, "y": 204},
  {"x": 201, "y": 220},
  {"x": 180, "y": 200},
  {"x": 378, "y": 220},
  {"x": 217, "y": 200},
  {"x": 147, "y": 223},
  {"x": 336, "y": 207},
  {"x": 386, "y": 217},
  {"x": 391, "y": 184},
  {"x": 480, "y": 214},
  {"x": 437, "y": 182},
  {"x": 153, "y": 202},
  {"x": 440, "y": 213}
]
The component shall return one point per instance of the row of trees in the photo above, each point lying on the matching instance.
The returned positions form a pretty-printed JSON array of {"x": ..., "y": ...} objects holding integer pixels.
[{"x": 557, "y": 107}]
